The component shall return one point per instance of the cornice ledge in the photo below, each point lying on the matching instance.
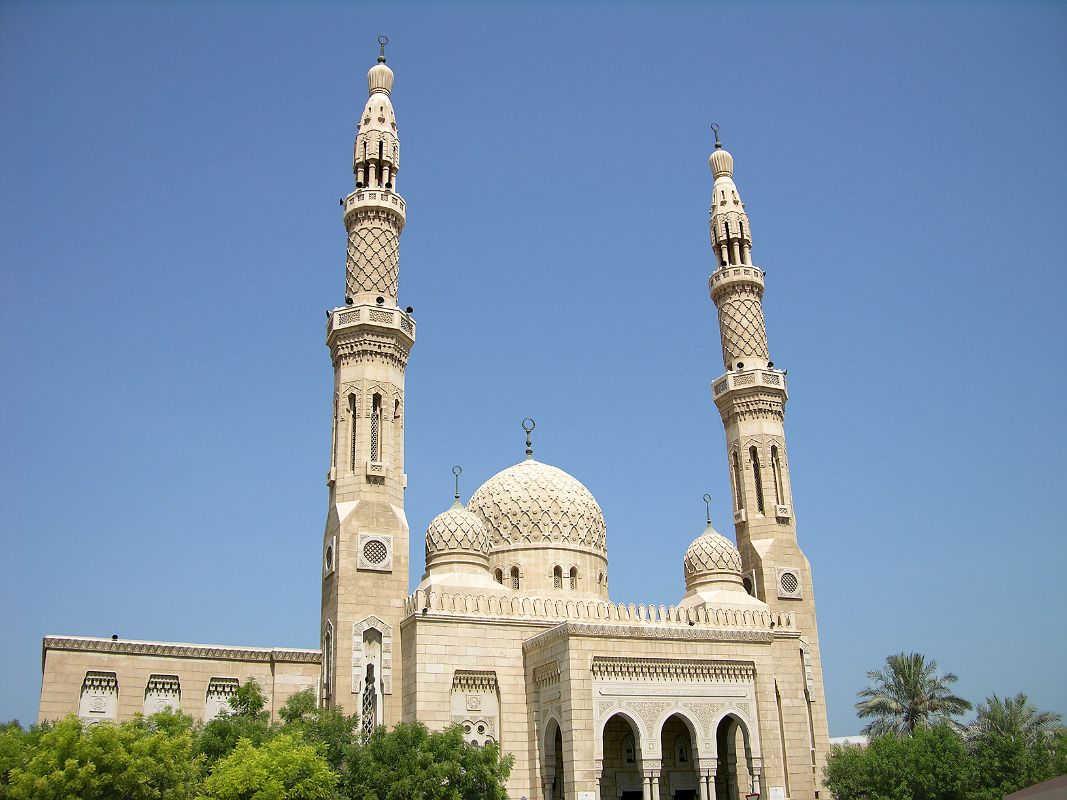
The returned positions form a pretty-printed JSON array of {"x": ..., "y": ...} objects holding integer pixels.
[
  {"x": 624, "y": 631},
  {"x": 181, "y": 650}
]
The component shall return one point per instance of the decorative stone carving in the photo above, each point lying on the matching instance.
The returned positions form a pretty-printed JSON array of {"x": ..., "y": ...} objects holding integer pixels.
[
  {"x": 99, "y": 696},
  {"x": 678, "y": 670},
  {"x": 374, "y": 253},
  {"x": 360, "y": 654},
  {"x": 475, "y": 704},
  {"x": 213, "y": 652},
  {"x": 219, "y": 692},
  {"x": 162, "y": 692}
]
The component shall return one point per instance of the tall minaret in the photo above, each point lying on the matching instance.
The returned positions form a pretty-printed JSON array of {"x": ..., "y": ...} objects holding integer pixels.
[
  {"x": 365, "y": 548},
  {"x": 751, "y": 398}
]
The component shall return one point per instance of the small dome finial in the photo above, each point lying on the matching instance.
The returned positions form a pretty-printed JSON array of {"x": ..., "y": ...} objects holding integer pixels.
[
  {"x": 382, "y": 42},
  {"x": 707, "y": 503},
  {"x": 457, "y": 471},
  {"x": 528, "y": 425},
  {"x": 715, "y": 130}
]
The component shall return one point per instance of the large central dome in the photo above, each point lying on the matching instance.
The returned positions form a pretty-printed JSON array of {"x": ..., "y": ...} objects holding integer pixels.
[{"x": 532, "y": 503}]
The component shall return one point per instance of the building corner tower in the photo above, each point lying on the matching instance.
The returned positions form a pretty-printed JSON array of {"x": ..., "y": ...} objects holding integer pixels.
[
  {"x": 751, "y": 398},
  {"x": 365, "y": 547}
]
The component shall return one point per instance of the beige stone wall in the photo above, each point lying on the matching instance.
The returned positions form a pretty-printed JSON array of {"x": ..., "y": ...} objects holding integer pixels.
[{"x": 66, "y": 662}]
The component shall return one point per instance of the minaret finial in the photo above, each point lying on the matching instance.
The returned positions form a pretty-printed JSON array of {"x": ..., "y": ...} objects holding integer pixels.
[
  {"x": 528, "y": 425},
  {"x": 707, "y": 502},
  {"x": 382, "y": 42},
  {"x": 457, "y": 471},
  {"x": 715, "y": 130}
]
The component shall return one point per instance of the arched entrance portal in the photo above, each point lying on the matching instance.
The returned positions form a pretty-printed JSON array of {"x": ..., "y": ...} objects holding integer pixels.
[
  {"x": 680, "y": 779},
  {"x": 552, "y": 776},
  {"x": 620, "y": 777},
  {"x": 733, "y": 777}
]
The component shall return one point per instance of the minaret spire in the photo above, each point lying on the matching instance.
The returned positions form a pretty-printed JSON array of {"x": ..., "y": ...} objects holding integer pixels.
[{"x": 375, "y": 213}]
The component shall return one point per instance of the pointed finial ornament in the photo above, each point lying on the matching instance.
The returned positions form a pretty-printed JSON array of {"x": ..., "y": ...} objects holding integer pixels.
[
  {"x": 707, "y": 503},
  {"x": 528, "y": 425},
  {"x": 457, "y": 470},
  {"x": 715, "y": 130},
  {"x": 382, "y": 42}
]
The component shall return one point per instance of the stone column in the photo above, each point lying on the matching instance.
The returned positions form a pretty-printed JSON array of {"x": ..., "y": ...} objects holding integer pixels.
[
  {"x": 652, "y": 770},
  {"x": 646, "y": 787},
  {"x": 707, "y": 778},
  {"x": 548, "y": 781}
]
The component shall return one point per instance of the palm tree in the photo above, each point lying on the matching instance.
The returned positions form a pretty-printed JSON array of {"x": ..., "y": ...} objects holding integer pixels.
[
  {"x": 908, "y": 694},
  {"x": 1015, "y": 718}
]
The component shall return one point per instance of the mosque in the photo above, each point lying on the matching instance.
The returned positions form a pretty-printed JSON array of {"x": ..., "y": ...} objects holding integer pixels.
[{"x": 511, "y": 632}]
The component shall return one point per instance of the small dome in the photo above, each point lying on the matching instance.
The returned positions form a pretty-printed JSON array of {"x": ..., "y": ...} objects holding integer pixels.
[
  {"x": 709, "y": 554},
  {"x": 533, "y": 502},
  {"x": 456, "y": 530},
  {"x": 722, "y": 163},
  {"x": 380, "y": 78}
]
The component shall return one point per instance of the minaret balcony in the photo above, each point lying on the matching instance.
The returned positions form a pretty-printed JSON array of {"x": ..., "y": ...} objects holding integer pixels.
[
  {"x": 351, "y": 318},
  {"x": 726, "y": 277},
  {"x": 747, "y": 380},
  {"x": 385, "y": 199}
]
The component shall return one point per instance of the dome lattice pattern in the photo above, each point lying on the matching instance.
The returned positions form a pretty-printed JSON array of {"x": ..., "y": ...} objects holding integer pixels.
[
  {"x": 533, "y": 502},
  {"x": 456, "y": 529},
  {"x": 711, "y": 552}
]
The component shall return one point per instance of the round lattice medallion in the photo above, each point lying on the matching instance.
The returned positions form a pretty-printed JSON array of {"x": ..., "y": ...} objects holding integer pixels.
[
  {"x": 789, "y": 583},
  {"x": 375, "y": 552}
]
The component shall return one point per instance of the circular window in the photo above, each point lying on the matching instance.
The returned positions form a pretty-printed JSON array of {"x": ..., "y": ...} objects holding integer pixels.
[
  {"x": 789, "y": 582},
  {"x": 329, "y": 558},
  {"x": 467, "y": 728},
  {"x": 375, "y": 552},
  {"x": 481, "y": 729}
]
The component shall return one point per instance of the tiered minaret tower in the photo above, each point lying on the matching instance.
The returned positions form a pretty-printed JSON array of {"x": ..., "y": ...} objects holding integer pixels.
[
  {"x": 751, "y": 398},
  {"x": 365, "y": 548}
]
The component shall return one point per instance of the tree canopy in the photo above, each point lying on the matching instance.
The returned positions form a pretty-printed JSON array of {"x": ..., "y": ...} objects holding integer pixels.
[
  {"x": 918, "y": 752},
  {"x": 908, "y": 694},
  {"x": 312, "y": 754}
]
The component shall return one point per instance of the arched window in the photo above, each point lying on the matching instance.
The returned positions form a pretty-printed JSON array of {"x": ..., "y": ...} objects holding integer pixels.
[
  {"x": 327, "y": 664},
  {"x": 514, "y": 577},
  {"x": 557, "y": 577},
  {"x": 352, "y": 432},
  {"x": 776, "y": 471},
  {"x": 757, "y": 477},
  {"x": 739, "y": 495},
  {"x": 376, "y": 428},
  {"x": 600, "y": 579},
  {"x": 499, "y": 576},
  {"x": 574, "y": 578}
]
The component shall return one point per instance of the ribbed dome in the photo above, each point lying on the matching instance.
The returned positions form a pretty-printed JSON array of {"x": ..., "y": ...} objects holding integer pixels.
[
  {"x": 722, "y": 163},
  {"x": 380, "y": 78},
  {"x": 533, "y": 502},
  {"x": 456, "y": 530},
  {"x": 710, "y": 553}
]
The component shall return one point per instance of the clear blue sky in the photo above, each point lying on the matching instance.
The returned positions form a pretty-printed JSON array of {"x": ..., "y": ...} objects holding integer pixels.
[{"x": 170, "y": 237}]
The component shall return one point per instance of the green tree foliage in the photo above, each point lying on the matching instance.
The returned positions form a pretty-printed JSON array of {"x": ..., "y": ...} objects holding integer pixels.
[
  {"x": 931, "y": 764},
  {"x": 245, "y": 720},
  {"x": 328, "y": 727},
  {"x": 908, "y": 694},
  {"x": 136, "y": 760},
  {"x": 1014, "y": 745},
  {"x": 410, "y": 763},
  {"x": 284, "y": 768}
]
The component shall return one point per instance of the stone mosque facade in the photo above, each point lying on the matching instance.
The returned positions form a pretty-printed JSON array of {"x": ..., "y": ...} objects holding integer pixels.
[{"x": 511, "y": 632}]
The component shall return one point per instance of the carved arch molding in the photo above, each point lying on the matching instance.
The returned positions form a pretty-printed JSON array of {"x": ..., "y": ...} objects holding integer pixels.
[{"x": 360, "y": 654}]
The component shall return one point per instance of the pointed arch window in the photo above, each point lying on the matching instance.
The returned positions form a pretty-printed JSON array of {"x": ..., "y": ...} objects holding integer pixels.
[
  {"x": 376, "y": 428},
  {"x": 327, "y": 664},
  {"x": 352, "y": 415},
  {"x": 753, "y": 456},
  {"x": 735, "y": 472},
  {"x": 514, "y": 577},
  {"x": 776, "y": 473},
  {"x": 499, "y": 576},
  {"x": 574, "y": 578},
  {"x": 369, "y": 709},
  {"x": 557, "y": 577}
]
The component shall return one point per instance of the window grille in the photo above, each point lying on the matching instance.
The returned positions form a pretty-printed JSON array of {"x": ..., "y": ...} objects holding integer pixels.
[{"x": 754, "y": 457}]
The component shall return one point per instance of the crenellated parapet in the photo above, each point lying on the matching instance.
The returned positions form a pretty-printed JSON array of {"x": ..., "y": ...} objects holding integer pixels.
[{"x": 550, "y": 610}]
